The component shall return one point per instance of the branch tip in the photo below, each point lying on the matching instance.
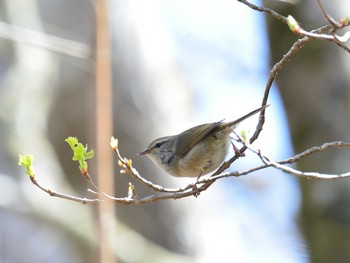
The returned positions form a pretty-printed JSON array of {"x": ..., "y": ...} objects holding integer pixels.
[{"x": 114, "y": 143}]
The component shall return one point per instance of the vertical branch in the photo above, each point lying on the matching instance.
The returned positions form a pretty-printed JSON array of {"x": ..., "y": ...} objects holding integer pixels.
[{"x": 104, "y": 121}]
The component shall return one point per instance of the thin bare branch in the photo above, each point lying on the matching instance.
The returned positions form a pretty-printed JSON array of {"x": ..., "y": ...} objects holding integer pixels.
[
  {"x": 264, "y": 10},
  {"x": 64, "y": 196},
  {"x": 333, "y": 38},
  {"x": 312, "y": 150},
  {"x": 328, "y": 33},
  {"x": 327, "y": 17},
  {"x": 308, "y": 175}
]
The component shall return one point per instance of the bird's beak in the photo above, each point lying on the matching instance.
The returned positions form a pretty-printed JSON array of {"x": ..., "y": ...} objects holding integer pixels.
[{"x": 145, "y": 152}]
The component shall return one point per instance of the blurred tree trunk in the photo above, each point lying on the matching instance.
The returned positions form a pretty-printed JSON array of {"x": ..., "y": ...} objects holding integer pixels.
[
  {"x": 103, "y": 128},
  {"x": 315, "y": 91}
]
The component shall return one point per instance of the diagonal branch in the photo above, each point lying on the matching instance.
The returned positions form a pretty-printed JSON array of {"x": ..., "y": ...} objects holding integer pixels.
[
  {"x": 273, "y": 74},
  {"x": 265, "y": 10},
  {"x": 327, "y": 17}
]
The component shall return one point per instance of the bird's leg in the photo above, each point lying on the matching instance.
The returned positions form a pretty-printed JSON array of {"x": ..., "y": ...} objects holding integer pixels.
[{"x": 195, "y": 188}]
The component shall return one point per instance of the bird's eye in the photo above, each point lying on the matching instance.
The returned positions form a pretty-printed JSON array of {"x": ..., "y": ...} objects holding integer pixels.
[{"x": 158, "y": 145}]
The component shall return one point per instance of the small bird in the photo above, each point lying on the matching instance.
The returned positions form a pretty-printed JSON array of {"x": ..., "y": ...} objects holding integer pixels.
[{"x": 196, "y": 151}]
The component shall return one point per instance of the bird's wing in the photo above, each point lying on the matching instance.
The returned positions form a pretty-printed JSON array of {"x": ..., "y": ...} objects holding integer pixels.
[{"x": 192, "y": 137}]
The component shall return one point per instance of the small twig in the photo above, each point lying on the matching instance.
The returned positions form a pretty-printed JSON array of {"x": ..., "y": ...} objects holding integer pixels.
[
  {"x": 65, "y": 196},
  {"x": 309, "y": 175},
  {"x": 98, "y": 191},
  {"x": 328, "y": 18},
  {"x": 265, "y": 10},
  {"x": 342, "y": 39},
  {"x": 334, "y": 25},
  {"x": 325, "y": 146},
  {"x": 328, "y": 34},
  {"x": 293, "y": 159}
]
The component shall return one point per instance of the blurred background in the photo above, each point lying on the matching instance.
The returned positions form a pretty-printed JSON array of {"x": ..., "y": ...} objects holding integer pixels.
[{"x": 176, "y": 64}]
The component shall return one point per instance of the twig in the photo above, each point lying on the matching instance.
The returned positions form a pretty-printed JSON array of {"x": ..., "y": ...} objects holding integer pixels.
[
  {"x": 328, "y": 18},
  {"x": 308, "y": 175},
  {"x": 341, "y": 39},
  {"x": 325, "y": 146},
  {"x": 265, "y": 10},
  {"x": 328, "y": 34},
  {"x": 65, "y": 196}
]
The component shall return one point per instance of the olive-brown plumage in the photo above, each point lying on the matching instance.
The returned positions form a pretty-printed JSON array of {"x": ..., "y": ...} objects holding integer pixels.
[{"x": 196, "y": 151}]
